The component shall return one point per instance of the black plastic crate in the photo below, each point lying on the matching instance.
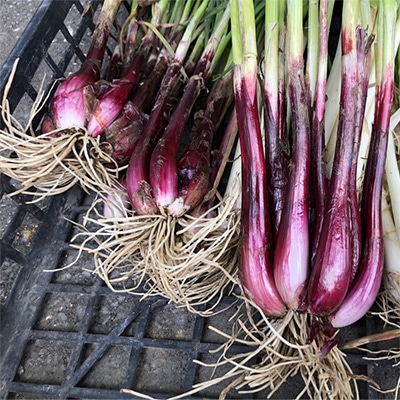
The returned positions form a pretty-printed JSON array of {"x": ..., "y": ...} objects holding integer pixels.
[{"x": 64, "y": 334}]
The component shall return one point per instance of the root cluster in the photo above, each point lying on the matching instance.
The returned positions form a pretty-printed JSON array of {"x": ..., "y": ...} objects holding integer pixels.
[
  {"x": 191, "y": 261},
  {"x": 50, "y": 164},
  {"x": 283, "y": 350}
]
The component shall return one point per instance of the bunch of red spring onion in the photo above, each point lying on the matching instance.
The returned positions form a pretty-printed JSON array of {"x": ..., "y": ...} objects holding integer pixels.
[
  {"x": 94, "y": 123},
  {"x": 57, "y": 157},
  {"x": 142, "y": 137},
  {"x": 165, "y": 223},
  {"x": 336, "y": 264},
  {"x": 312, "y": 236}
]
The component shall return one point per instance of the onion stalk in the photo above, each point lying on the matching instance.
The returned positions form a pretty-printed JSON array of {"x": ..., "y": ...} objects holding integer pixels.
[
  {"x": 318, "y": 175},
  {"x": 255, "y": 264},
  {"x": 392, "y": 254},
  {"x": 276, "y": 146},
  {"x": 393, "y": 174},
  {"x": 291, "y": 258},
  {"x": 142, "y": 99},
  {"x": 110, "y": 103},
  {"x": 390, "y": 224},
  {"x": 363, "y": 60},
  {"x": 195, "y": 166}
]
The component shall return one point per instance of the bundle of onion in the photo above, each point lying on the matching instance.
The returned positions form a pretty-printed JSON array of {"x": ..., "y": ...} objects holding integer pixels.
[
  {"x": 34, "y": 159},
  {"x": 389, "y": 296},
  {"x": 92, "y": 124},
  {"x": 306, "y": 275},
  {"x": 178, "y": 235}
]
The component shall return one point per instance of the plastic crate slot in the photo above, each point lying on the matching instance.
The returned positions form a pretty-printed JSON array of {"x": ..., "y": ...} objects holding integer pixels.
[
  {"x": 109, "y": 371},
  {"x": 44, "y": 362},
  {"x": 8, "y": 210},
  {"x": 75, "y": 274},
  {"x": 9, "y": 270},
  {"x": 25, "y": 235},
  {"x": 161, "y": 362},
  {"x": 170, "y": 322},
  {"x": 109, "y": 311},
  {"x": 62, "y": 312}
]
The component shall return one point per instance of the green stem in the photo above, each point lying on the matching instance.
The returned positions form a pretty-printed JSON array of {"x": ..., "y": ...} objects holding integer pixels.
[
  {"x": 249, "y": 60},
  {"x": 313, "y": 46},
  {"x": 271, "y": 56},
  {"x": 237, "y": 44},
  {"x": 221, "y": 50},
  {"x": 186, "y": 40},
  {"x": 385, "y": 62},
  {"x": 295, "y": 27}
]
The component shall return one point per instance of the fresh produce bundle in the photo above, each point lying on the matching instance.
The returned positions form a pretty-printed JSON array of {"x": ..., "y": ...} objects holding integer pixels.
[
  {"x": 57, "y": 157},
  {"x": 93, "y": 121},
  {"x": 312, "y": 233},
  {"x": 167, "y": 226},
  {"x": 143, "y": 139}
]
